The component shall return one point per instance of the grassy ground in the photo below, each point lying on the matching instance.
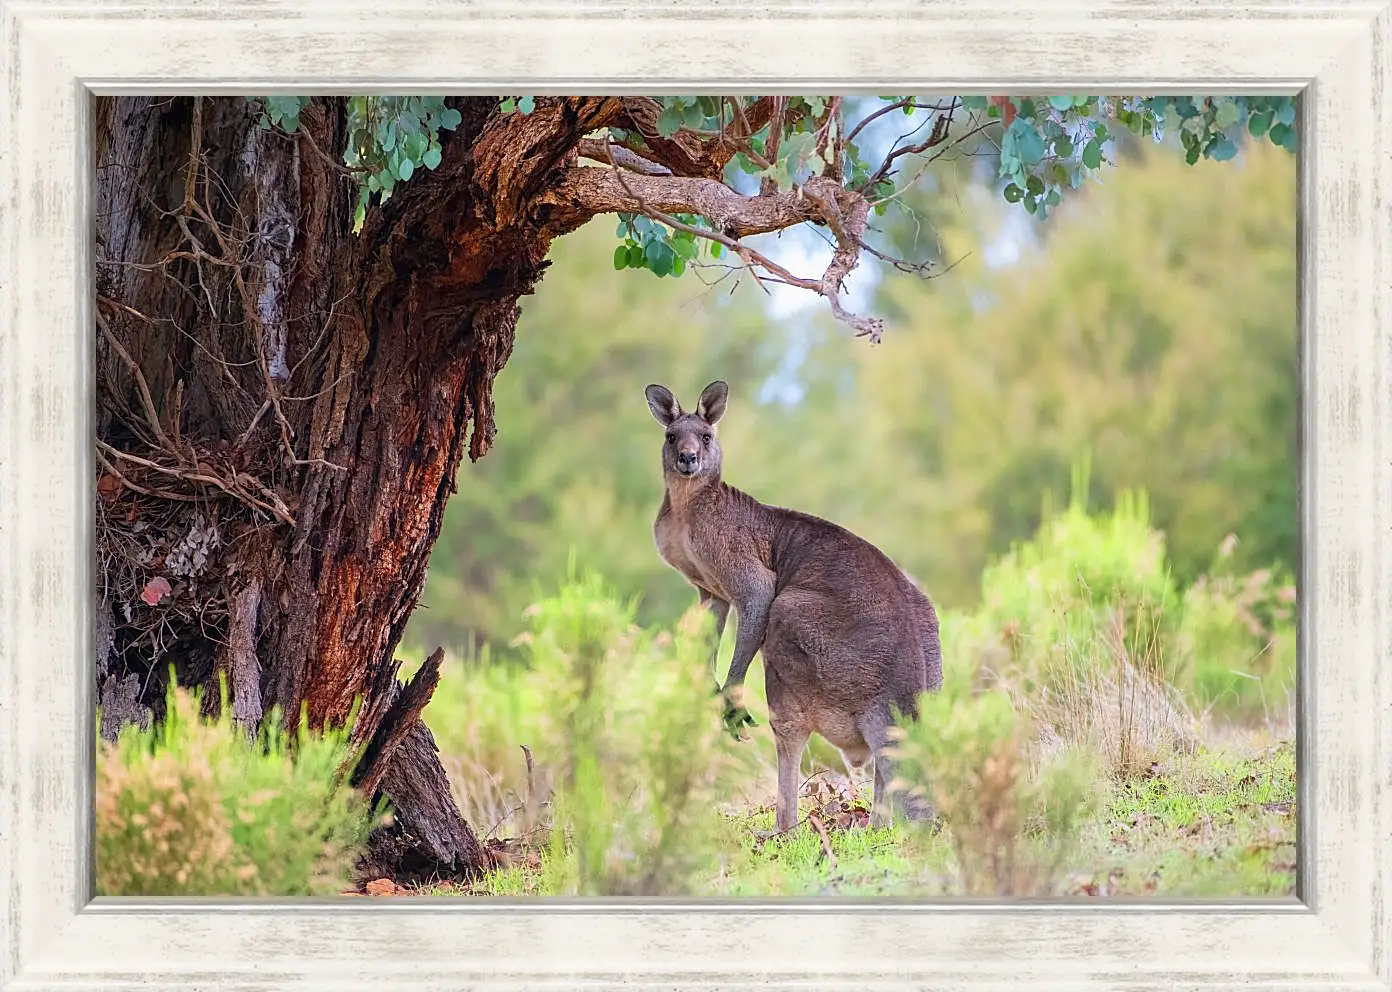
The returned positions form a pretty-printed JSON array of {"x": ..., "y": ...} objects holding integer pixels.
[
  {"x": 1214, "y": 824},
  {"x": 1099, "y": 733}
]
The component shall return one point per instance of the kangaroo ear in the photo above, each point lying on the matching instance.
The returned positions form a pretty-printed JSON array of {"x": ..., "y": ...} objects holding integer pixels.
[
  {"x": 663, "y": 404},
  {"x": 711, "y": 406}
]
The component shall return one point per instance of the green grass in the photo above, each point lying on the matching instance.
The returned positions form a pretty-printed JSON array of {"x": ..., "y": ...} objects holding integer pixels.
[
  {"x": 1216, "y": 824},
  {"x": 1100, "y": 732},
  {"x": 1089, "y": 740}
]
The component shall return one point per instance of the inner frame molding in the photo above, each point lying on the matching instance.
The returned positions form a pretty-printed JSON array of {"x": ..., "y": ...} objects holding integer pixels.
[{"x": 59, "y": 53}]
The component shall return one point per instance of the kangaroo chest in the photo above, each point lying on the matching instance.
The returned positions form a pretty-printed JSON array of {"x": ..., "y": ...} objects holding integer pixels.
[{"x": 686, "y": 552}]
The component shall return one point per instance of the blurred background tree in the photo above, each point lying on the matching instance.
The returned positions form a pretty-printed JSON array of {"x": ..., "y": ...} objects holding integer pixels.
[{"x": 1148, "y": 323}]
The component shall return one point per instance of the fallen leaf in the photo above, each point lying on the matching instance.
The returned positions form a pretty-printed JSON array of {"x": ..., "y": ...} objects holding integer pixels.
[
  {"x": 381, "y": 887},
  {"x": 108, "y": 487},
  {"x": 155, "y": 590}
]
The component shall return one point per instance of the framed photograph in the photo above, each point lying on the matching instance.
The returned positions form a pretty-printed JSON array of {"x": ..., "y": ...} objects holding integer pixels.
[{"x": 505, "y": 495}]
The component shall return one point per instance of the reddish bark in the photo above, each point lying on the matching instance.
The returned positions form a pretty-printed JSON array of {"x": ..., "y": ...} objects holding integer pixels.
[{"x": 301, "y": 393}]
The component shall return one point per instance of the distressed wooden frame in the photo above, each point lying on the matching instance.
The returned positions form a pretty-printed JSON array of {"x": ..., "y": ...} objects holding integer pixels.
[{"x": 57, "y": 53}]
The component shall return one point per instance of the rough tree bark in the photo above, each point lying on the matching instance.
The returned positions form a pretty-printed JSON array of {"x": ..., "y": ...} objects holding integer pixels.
[{"x": 283, "y": 405}]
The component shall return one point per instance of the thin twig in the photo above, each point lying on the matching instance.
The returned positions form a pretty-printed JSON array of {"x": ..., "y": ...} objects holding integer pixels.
[
  {"x": 815, "y": 820},
  {"x": 139, "y": 376},
  {"x": 900, "y": 105},
  {"x": 276, "y": 507}
]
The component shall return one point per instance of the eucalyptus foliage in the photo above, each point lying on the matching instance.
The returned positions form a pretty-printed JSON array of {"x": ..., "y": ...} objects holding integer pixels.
[{"x": 1044, "y": 145}]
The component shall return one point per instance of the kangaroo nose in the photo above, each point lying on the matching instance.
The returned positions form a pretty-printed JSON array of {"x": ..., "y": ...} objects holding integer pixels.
[{"x": 686, "y": 461}]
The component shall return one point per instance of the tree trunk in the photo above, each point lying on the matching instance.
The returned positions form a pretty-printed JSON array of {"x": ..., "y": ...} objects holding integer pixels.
[{"x": 283, "y": 405}]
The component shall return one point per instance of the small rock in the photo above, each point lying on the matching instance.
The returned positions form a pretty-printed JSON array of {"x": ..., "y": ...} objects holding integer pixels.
[{"x": 381, "y": 887}]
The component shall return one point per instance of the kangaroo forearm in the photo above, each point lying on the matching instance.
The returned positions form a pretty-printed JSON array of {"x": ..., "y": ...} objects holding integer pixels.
[{"x": 748, "y": 640}]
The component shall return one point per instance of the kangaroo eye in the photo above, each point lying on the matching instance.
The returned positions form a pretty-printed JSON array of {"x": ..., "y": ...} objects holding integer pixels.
[
  {"x": 705, "y": 438},
  {"x": 671, "y": 438}
]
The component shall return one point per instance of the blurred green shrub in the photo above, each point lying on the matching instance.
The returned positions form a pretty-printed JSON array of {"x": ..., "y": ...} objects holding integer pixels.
[
  {"x": 625, "y": 731},
  {"x": 199, "y": 807},
  {"x": 1012, "y": 826}
]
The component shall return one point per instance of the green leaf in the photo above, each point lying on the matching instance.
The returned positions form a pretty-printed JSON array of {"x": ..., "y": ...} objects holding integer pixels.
[
  {"x": 669, "y": 122},
  {"x": 1013, "y": 193},
  {"x": 661, "y": 263},
  {"x": 1035, "y": 185},
  {"x": 1063, "y": 146},
  {"x": 716, "y": 249},
  {"x": 526, "y": 105},
  {"x": 1282, "y": 135},
  {"x": 431, "y": 158},
  {"x": 360, "y": 211},
  {"x": 693, "y": 116},
  {"x": 450, "y": 118},
  {"x": 1054, "y": 198},
  {"x": 686, "y": 246},
  {"x": 1061, "y": 102},
  {"x": 1222, "y": 150},
  {"x": 1227, "y": 114},
  {"x": 507, "y": 105},
  {"x": 973, "y": 103},
  {"x": 1092, "y": 154},
  {"x": 405, "y": 169},
  {"x": 636, "y": 259},
  {"x": 1023, "y": 142},
  {"x": 621, "y": 257},
  {"x": 1258, "y": 123}
]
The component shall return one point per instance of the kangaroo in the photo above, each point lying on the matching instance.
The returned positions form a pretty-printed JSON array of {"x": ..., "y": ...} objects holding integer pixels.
[{"x": 847, "y": 638}]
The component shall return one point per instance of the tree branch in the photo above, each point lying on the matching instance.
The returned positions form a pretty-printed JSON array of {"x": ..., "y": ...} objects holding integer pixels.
[
  {"x": 937, "y": 136},
  {"x": 687, "y": 152},
  {"x": 622, "y": 156},
  {"x": 899, "y": 105},
  {"x": 584, "y": 192}
]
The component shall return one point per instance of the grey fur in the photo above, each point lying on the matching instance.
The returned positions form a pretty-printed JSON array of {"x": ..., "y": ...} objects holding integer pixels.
[{"x": 847, "y": 638}]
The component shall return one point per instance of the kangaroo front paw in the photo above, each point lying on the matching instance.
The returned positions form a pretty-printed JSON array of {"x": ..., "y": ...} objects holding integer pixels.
[{"x": 736, "y": 717}]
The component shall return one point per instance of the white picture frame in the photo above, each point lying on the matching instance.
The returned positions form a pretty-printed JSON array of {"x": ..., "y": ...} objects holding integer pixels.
[{"x": 58, "y": 53}]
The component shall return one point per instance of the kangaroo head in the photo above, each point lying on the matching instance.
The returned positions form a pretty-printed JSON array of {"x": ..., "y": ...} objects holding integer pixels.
[{"x": 690, "y": 450}]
